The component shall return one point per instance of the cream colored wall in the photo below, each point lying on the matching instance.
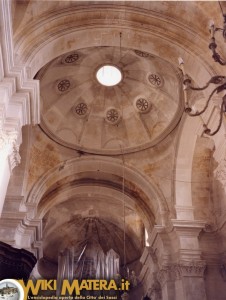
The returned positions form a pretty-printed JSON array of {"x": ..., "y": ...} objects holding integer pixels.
[{"x": 189, "y": 232}]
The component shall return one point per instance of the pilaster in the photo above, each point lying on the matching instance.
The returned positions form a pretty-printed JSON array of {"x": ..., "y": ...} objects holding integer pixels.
[
  {"x": 183, "y": 280},
  {"x": 187, "y": 233},
  {"x": 28, "y": 235},
  {"x": 19, "y": 101},
  {"x": 179, "y": 267}
]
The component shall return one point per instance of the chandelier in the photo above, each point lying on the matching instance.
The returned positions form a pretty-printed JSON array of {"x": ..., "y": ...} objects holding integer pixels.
[{"x": 218, "y": 81}]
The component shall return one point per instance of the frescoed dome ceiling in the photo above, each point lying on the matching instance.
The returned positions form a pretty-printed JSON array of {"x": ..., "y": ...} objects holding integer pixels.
[{"x": 81, "y": 113}]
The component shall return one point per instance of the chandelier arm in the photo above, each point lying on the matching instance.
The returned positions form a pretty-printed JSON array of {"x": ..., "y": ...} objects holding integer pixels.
[
  {"x": 198, "y": 113},
  {"x": 187, "y": 84},
  {"x": 215, "y": 80},
  {"x": 200, "y": 89},
  {"x": 217, "y": 58},
  {"x": 207, "y": 131}
]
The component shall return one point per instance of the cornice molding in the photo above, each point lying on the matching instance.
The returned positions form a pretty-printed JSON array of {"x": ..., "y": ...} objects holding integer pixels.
[
  {"x": 70, "y": 18},
  {"x": 21, "y": 93}
]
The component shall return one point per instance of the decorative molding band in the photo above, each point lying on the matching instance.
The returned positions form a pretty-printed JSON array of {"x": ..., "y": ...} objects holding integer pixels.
[
  {"x": 168, "y": 273},
  {"x": 197, "y": 225},
  {"x": 194, "y": 269},
  {"x": 21, "y": 91},
  {"x": 29, "y": 235}
]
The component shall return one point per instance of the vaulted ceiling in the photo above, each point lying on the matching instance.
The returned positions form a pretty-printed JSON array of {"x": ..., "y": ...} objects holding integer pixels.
[
  {"x": 79, "y": 112},
  {"x": 136, "y": 123}
]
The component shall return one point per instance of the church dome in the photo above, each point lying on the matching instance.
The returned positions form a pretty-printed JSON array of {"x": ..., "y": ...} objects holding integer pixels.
[{"x": 134, "y": 113}]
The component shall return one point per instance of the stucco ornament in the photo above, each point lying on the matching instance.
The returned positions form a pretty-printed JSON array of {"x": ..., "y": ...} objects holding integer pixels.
[
  {"x": 183, "y": 269},
  {"x": 8, "y": 143}
]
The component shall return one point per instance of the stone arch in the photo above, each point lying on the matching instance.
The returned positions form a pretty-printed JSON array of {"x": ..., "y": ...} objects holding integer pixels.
[
  {"x": 57, "y": 40},
  {"x": 154, "y": 205},
  {"x": 37, "y": 45},
  {"x": 84, "y": 175},
  {"x": 189, "y": 145}
]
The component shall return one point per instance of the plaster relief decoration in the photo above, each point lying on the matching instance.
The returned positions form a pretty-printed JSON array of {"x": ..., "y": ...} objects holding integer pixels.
[
  {"x": 141, "y": 53},
  {"x": 112, "y": 116},
  {"x": 70, "y": 58},
  {"x": 192, "y": 268},
  {"x": 155, "y": 80},
  {"x": 63, "y": 85},
  {"x": 14, "y": 157},
  {"x": 6, "y": 139},
  {"x": 80, "y": 109},
  {"x": 143, "y": 105},
  {"x": 8, "y": 142},
  {"x": 168, "y": 273},
  {"x": 183, "y": 269}
]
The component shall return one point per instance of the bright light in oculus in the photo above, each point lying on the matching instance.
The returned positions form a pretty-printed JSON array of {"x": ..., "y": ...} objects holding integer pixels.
[{"x": 109, "y": 75}]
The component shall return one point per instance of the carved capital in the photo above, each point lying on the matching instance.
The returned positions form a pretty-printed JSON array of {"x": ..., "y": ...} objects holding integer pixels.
[
  {"x": 7, "y": 138},
  {"x": 177, "y": 271},
  {"x": 8, "y": 142},
  {"x": 14, "y": 157},
  {"x": 194, "y": 268},
  {"x": 168, "y": 273}
]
